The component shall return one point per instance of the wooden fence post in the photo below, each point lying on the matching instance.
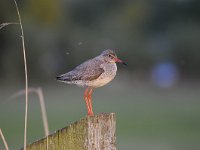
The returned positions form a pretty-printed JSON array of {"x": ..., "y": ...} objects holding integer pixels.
[{"x": 90, "y": 133}]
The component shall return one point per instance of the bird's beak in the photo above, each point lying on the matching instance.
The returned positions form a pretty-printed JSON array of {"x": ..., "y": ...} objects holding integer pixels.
[{"x": 120, "y": 61}]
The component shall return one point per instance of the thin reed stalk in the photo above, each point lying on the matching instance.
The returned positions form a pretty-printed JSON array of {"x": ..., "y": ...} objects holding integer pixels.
[
  {"x": 26, "y": 75},
  {"x": 43, "y": 111},
  {"x": 4, "y": 140},
  {"x": 40, "y": 95},
  {"x": 6, "y": 24}
]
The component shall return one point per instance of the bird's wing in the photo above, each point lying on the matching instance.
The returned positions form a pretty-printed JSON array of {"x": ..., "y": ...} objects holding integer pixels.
[{"x": 87, "y": 71}]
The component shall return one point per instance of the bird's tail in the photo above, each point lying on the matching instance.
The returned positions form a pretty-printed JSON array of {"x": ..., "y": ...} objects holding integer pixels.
[{"x": 62, "y": 78}]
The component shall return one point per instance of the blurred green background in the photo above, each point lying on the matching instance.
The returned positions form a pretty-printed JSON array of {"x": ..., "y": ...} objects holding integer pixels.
[{"x": 155, "y": 98}]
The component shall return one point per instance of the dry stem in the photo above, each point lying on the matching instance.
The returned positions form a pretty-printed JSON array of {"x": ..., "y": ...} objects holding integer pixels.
[
  {"x": 40, "y": 95},
  {"x": 4, "y": 141},
  {"x": 6, "y": 24},
  {"x": 43, "y": 110},
  {"x": 26, "y": 76}
]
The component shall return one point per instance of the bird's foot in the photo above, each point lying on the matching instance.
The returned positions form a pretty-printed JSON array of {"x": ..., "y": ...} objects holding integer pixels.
[{"x": 90, "y": 113}]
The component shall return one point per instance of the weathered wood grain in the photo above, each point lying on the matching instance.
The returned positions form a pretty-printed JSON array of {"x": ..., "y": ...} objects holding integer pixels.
[{"x": 90, "y": 133}]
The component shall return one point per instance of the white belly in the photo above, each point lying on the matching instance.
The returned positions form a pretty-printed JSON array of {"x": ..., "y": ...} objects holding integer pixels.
[{"x": 100, "y": 82}]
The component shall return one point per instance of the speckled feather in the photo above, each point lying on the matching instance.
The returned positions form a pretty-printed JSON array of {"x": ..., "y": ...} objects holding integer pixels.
[{"x": 85, "y": 71}]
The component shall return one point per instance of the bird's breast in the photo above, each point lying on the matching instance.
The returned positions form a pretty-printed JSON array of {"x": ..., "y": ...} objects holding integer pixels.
[{"x": 110, "y": 71}]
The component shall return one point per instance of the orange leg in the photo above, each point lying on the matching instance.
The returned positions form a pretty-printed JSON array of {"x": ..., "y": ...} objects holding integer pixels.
[
  {"x": 87, "y": 101},
  {"x": 90, "y": 101}
]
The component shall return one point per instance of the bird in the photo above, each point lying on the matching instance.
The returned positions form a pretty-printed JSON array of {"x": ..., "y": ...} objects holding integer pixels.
[{"x": 93, "y": 73}]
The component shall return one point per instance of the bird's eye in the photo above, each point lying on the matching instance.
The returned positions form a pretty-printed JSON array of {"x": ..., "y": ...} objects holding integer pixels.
[{"x": 110, "y": 56}]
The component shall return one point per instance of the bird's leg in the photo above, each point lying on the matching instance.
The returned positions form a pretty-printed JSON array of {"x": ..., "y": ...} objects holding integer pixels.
[
  {"x": 90, "y": 101},
  {"x": 87, "y": 101}
]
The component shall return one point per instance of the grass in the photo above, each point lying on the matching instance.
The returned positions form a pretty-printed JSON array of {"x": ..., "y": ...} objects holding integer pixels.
[
  {"x": 147, "y": 117},
  {"x": 37, "y": 91}
]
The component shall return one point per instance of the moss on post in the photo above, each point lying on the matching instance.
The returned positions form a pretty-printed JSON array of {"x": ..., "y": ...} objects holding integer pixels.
[{"x": 90, "y": 133}]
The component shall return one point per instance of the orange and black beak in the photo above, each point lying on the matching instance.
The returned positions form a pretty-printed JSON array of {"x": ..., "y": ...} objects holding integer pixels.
[{"x": 120, "y": 61}]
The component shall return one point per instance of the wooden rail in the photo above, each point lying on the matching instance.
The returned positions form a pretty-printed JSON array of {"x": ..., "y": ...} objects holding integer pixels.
[{"x": 90, "y": 133}]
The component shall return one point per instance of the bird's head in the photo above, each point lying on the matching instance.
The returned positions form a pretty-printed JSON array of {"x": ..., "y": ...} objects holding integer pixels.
[{"x": 110, "y": 56}]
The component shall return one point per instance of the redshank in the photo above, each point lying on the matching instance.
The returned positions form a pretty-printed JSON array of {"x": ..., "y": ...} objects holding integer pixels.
[{"x": 93, "y": 73}]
